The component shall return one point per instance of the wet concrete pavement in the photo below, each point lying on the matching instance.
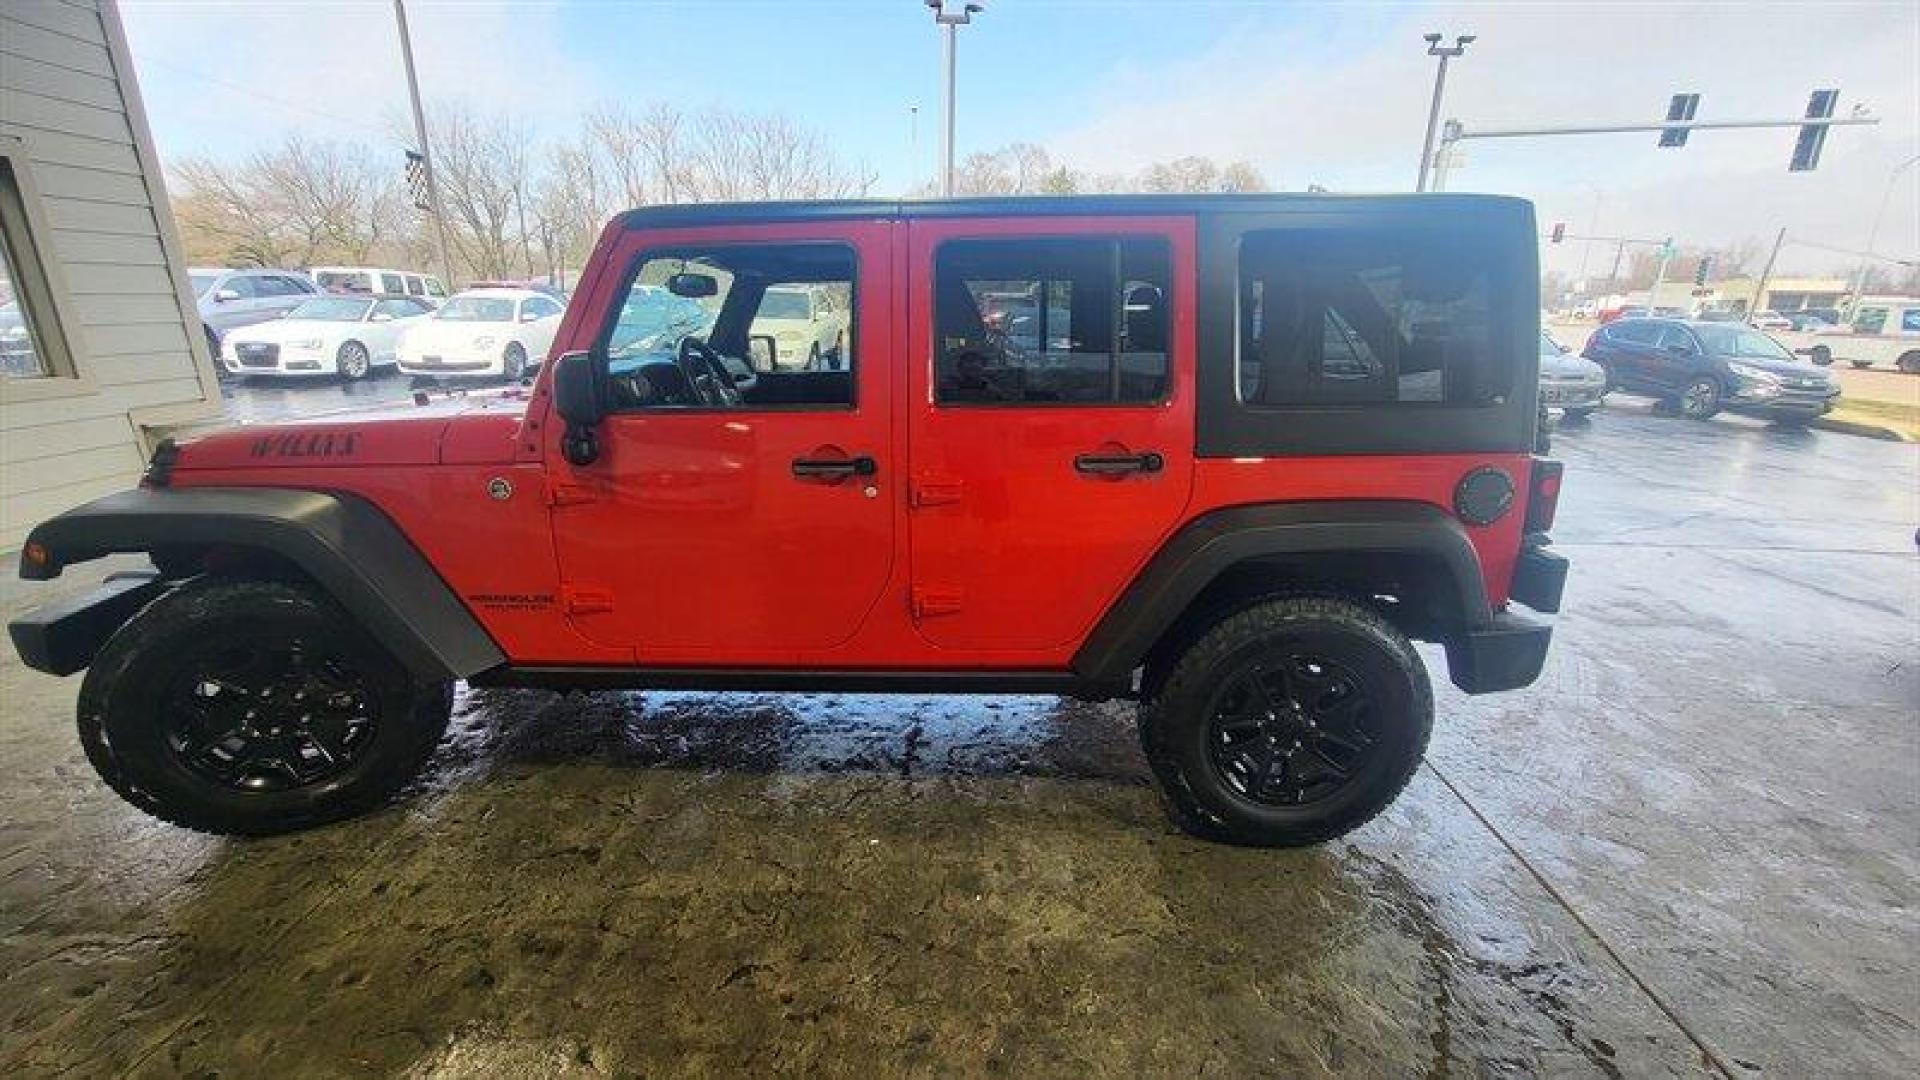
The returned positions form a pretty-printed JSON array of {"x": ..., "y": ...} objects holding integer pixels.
[{"x": 1693, "y": 844}]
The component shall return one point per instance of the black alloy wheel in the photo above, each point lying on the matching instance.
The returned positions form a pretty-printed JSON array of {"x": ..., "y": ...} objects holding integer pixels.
[{"x": 1291, "y": 730}]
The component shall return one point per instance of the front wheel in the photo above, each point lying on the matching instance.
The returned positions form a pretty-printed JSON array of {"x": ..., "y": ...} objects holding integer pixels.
[
  {"x": 254, "y": 707},
  {"x": 1701, "y": 399},
  {"x": 513, "y": 364},
  {"x": 1288, "y": 723},
  {"x": 353, "y": 361},
  {"x": 1820, "y": 355},
  {"x": 1909, "y": 362}
]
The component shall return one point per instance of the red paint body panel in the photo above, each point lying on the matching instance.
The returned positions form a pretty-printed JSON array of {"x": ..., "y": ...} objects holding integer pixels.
[{"x": 690, "y": 543}]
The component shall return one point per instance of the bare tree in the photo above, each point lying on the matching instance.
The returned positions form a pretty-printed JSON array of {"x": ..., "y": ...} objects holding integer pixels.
[
  {"x": 301, "y": 203},
  {"x": 481, "y": 167}
]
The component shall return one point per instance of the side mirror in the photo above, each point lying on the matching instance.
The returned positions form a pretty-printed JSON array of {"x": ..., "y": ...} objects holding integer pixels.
[
  {"x": 579, "y": 395},
  {"x": 222, "y": 296}
]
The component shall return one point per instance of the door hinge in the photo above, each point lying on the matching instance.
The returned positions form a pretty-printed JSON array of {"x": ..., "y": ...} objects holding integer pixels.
[
  {"x": 587, "y": 601},
  {"x": 929, "y": 601},
  {"x": 570, "y": 494},
  {"x": 934, "y": 491}
]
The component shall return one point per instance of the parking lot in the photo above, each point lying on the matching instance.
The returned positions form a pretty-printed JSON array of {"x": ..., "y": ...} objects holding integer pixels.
[{"x": 1692, "y": 847}]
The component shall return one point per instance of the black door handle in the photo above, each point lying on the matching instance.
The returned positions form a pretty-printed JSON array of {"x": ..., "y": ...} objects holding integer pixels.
[
  {"x": 1115, "y": 464},
  {"x": 834, "y": 468}
]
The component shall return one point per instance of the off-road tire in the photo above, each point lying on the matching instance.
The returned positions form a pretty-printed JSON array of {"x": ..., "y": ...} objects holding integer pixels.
[
  {"x": 122, "y": 711},
  {"x": 1175, "y": 727}
]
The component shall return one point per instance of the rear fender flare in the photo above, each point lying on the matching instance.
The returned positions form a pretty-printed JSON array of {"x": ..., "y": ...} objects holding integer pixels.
[
  {"x": 352, "y": 550},
  {"x": 1215, "y": 542}
]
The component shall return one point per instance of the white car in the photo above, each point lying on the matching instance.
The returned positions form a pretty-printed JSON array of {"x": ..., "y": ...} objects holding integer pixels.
[
  {"x": 498, "y": 332},
  {"x": 372, "y": 280},
  {"x": 347, "y": 336},
  {"x": 808, "y": 325},
  {"x": 1770, "y": 320}
]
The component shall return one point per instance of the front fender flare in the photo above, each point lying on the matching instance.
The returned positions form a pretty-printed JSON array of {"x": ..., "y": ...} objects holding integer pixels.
[
  {"x": 1214, "y": 542},
  {"x": 352, "y": 550}
]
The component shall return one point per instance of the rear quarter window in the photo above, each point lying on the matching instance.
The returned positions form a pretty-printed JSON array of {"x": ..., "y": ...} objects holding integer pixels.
[{"x": 1369, "y": 317}]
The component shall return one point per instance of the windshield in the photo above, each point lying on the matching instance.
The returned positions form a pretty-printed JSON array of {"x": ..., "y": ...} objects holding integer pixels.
[
  {"x": 202, "y": 282},
  {"x": 1739, "y": 341},
  {"x": 476, "y": 309},
  {"x": 332, "y": 309},
  {"x": 783, "y": 304},
  {"x": 1548, "y": 346}
]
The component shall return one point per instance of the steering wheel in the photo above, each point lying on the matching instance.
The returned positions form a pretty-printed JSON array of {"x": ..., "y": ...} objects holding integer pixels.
[{"x": 706, "y": 376}]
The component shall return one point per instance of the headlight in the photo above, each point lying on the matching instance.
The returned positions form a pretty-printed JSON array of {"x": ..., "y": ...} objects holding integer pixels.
[
  {"x": 307, "y": 344},
  {"x": 483, "y": 343},
  {"x": 1754, "y": 374}
]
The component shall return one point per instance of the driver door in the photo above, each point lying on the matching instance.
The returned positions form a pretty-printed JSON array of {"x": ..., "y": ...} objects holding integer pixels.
[{"x": 747, "y": 532}]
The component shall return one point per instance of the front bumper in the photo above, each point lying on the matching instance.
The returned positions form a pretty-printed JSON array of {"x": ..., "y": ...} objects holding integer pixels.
[
  {"x": 450, "y": 362},
  {"x": 251, "y": 358},
  {"x": 1783, "y": 400},
  {"x": 62, "y": 638},
  {"x": 1573, "y": 395}
]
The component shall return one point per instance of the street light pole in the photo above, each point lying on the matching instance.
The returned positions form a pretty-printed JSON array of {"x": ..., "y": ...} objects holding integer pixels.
[
  {"x": 960, "y": 15},
  {"x": 1873, "y": 234},
  {"x": 1439, "y": 89},
  {"x": 426, "y": 154}
]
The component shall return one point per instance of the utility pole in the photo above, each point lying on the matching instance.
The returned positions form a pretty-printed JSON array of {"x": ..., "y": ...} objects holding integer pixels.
[
  {"x": 952, "y": 21},
  {"x": 426, "y": 154},
  {"x": 1760, "y": 290},
  {"x": 1873, "y": 234},
  {"x": 1660, "y": 275},
  {"x": 1439, "y": 89},
  {"x": 913, "y": 144}
]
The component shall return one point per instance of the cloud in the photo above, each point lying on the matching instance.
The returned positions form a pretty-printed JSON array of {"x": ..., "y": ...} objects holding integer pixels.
[{"x": 1342, "y": 101}]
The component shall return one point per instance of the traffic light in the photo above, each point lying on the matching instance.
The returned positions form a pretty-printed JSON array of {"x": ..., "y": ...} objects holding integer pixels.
[
  {"x": 1700, "y": 272},
  {"x": 1682, "y": 107},
  {"x": 1806, "y": 149},
  {"x": 1559, "y": 231}
]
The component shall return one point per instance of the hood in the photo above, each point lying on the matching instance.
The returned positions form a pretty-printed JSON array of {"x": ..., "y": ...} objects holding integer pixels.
[
  {"x": 447, "y": 429},
  {"x": 281, "y": 331},
  {"x": 1569, "y": 366}
]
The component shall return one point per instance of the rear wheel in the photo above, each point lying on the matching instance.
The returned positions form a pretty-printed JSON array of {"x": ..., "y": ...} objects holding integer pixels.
[
  {"x": 254, "y": 707},
  {"x": 1288, "y": 723},
  {"x": 353, "y": 361},
  {"x": 1700, "y": 399},
  {"x": 1820, "y": 355}
]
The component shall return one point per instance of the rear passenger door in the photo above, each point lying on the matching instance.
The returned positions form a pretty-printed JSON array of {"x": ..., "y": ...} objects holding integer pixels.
[{"x": 1050, "y": 426}]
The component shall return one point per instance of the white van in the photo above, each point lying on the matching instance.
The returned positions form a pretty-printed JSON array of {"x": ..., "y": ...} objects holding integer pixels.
[
  {"x": 1884, "y": 331},
  {"x": 372, "y": 280}
]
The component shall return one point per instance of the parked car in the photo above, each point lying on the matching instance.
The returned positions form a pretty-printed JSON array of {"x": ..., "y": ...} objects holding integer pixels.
[
  {"x": 372, "y": 281},
  {"x": 1770, "y": 320},
  {"x": 1811, "y": 319},
  {"x": 489, "y": 332},
  {"x": 653, "y": 318},
  {"x": 808, "y": 327},
  {"x": 344, "y": 336},
  {"x": 17, "y": 355},
  {"x": 1569, "y": 381},
  {"x": 229, "y": 299},
  {"x": 1241, "y": 541},
  {"x": 1706, "y": 367},
  {"x": 1631, "y": 311}
]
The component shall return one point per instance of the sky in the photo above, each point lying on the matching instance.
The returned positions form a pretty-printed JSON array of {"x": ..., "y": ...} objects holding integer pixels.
[{"x": 1311, "y": 93}]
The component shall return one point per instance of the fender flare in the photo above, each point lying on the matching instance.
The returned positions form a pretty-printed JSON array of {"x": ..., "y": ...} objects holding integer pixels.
[
  {"x": 348, "y": 547},
  {"x": 1213, "y": 543}
]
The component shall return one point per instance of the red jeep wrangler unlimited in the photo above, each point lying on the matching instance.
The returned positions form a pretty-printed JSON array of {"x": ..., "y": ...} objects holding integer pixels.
[{"x": 1228, "y": 455}]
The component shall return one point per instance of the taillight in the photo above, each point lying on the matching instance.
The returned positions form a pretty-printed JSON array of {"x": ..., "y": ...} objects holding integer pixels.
[{"x": 1543, "y": 495}]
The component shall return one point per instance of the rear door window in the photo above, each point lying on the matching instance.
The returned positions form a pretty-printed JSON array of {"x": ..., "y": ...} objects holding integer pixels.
[
  {"x": 1635, "y": 333},
  {"x": 392, "y": 283},
  {"x": 1051, "y": 321}
]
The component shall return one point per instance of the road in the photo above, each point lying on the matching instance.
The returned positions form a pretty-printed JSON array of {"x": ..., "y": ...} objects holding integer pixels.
[{"x": 1693, "y": 847}]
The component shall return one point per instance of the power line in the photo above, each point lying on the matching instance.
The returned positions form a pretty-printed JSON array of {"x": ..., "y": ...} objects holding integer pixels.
[{"x": 255, "y": 92}]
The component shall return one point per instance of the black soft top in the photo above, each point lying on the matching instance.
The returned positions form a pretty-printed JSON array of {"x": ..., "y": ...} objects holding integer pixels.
[{"x": 1489, "y": 207}]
